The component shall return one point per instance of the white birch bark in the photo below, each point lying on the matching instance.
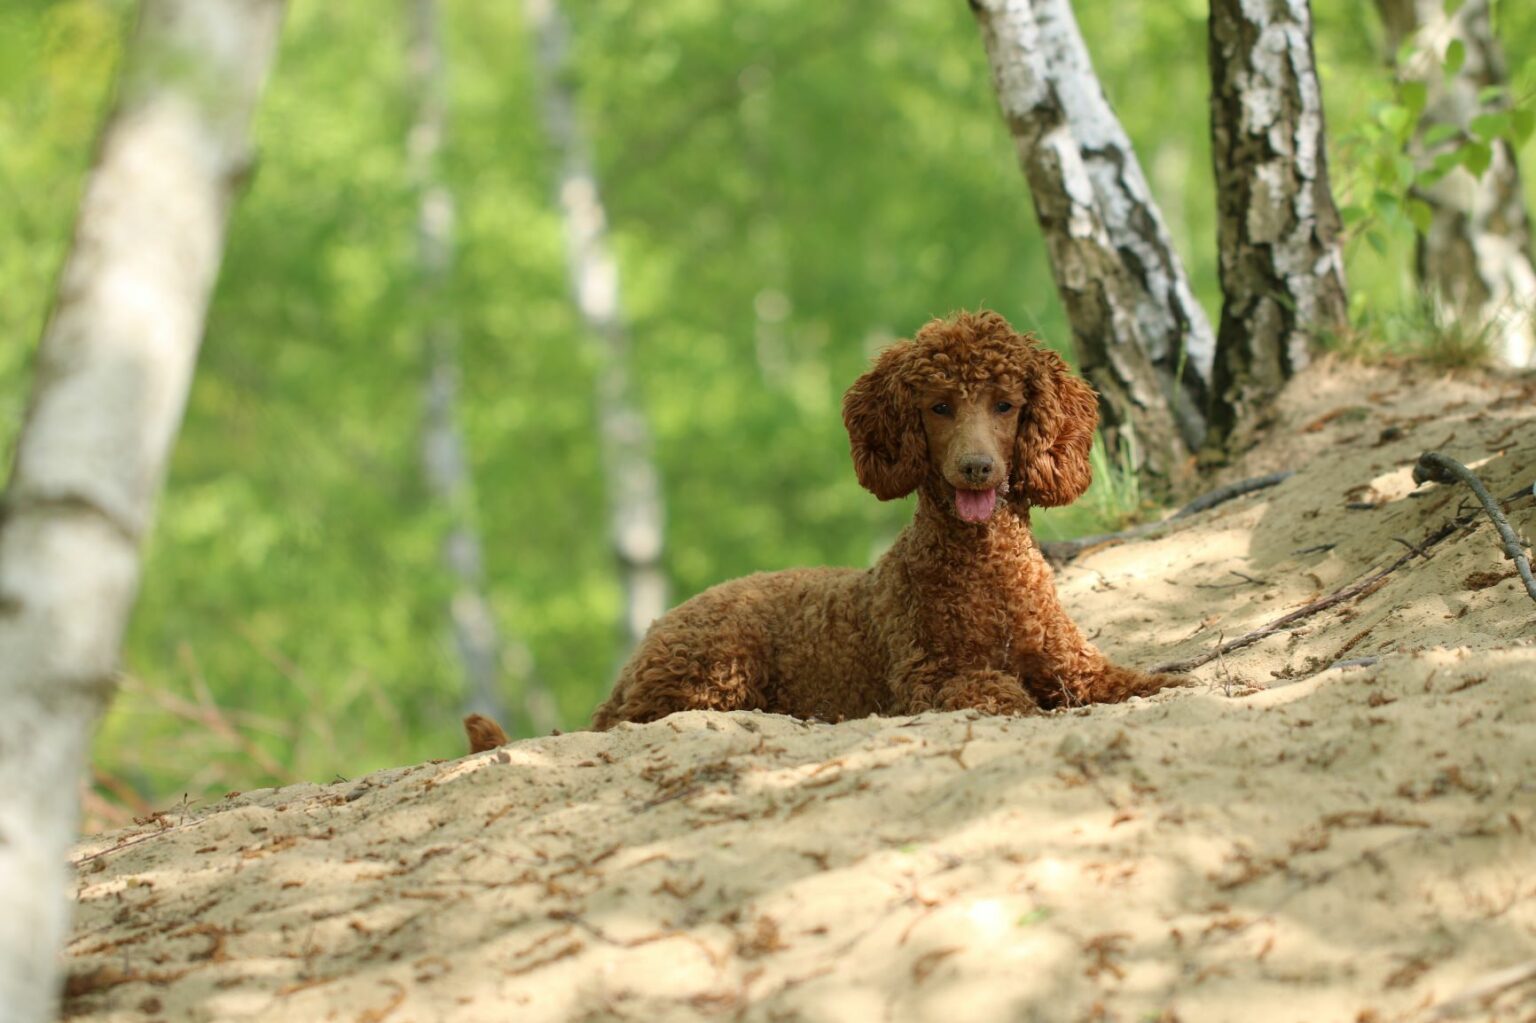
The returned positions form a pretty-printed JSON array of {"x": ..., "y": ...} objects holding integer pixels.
[
  {"x": 636, "y": 517},
  {"x": 1091, "y": 275},
  {"x": 471, "y": 620},
  {"x": 1476, "y": 256},
  {"x": 113, "y": 369},
  {"x": 1282, "y": 267},
  {"x": 1174, "y": 328}
]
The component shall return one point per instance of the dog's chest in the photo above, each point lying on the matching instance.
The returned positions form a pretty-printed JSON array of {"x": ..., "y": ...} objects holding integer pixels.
[{"x": 971, "y": 616}]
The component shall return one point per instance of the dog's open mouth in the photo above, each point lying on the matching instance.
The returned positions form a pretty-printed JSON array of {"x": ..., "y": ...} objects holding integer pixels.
[{"x": 975, "y": 505}]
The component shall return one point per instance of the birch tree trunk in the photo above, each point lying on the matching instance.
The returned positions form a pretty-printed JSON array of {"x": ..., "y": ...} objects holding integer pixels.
[
  {"x": 1282, "y": 268},
  {"x": 471, "y": 620},
  {"x": 1174, "y": 328},
  {"x": 636, "y": 517},
  {"x": 113, "y": 369},
  {"x": 1475, "y": 259},
  {"x": 1096, "y": 286}
]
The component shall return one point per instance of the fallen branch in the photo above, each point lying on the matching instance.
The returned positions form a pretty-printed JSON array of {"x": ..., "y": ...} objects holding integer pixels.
[
  {"x": 1488, "y": 987},
  {"x": 1305, "y": 611},
  {"x": 1060, "y": 552},
  {"x": 1353, "y": 662},
  {"x": 1223, "y": 494},
  {"x": 1323, "y": 603},
  {"x": 1441, "y": 469}
]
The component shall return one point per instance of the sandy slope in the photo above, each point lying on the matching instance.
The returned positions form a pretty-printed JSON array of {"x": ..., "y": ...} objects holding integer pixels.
[{"x": 1278, "y": 841}]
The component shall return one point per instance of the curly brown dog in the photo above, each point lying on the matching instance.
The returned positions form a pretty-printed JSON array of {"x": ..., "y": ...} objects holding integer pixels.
[{"x": 961, "y": 612}]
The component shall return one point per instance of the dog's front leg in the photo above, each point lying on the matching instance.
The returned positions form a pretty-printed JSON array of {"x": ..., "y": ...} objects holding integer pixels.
[
  {"x": 1067, "y": 670},
  {"x": 937, "y": 686}
]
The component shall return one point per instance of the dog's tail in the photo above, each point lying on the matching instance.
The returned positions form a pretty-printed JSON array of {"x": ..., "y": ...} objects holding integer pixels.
[{"x": 483, "y": 733}]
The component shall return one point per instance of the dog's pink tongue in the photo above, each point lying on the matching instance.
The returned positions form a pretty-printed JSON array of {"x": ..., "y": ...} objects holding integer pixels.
[{"x": 975, "y": 505}]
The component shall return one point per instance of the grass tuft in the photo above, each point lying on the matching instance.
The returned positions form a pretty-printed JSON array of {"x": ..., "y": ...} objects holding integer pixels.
[
  {"x": 1425, "y": 330},
  {"x": 1115, "y": 495}
]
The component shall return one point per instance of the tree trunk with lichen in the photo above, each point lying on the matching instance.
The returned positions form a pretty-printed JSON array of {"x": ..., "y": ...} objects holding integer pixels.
[
  {"x": 113, "y": 369},
  {"x": 1103, "y": 298},
  {"x": 1174, "y": 328},
  {"x": 1475, "y": 258},
  {"x": 636, "y": 518},
  {"x": 1282, "y": 268}
]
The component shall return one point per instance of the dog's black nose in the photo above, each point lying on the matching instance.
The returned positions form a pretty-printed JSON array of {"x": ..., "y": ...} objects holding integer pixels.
[{"x": 976, "y": 468}]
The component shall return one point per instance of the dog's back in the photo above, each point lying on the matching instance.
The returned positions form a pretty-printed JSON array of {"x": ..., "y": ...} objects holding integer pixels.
[{"x": 792, "y": 642}]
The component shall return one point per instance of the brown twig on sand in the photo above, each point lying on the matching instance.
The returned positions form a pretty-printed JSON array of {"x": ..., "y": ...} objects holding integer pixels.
[
  {"x": 1360, "y": 588},
  {"x": 1060, "y": 552},
  {"x": 1491, "y": 985},
  {"x": 1243, "y": 580},
  {"x": 1305, "y": 611},
  {"x": 1441, "y": 469}
]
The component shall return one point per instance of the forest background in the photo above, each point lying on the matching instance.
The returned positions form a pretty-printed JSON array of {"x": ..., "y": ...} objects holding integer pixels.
[{"x": 789, "y": 186}]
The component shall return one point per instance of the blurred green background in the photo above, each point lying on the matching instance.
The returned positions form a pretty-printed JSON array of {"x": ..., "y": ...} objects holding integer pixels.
[{"x": 790, "y": 184}]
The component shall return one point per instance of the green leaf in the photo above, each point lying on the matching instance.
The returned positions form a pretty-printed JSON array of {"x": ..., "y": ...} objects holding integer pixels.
[
  {"x": 1395, "y": 119},
  {"x": 1443, "y": 165},
  {"x": 1452, "y": 6},
  {"x": 1439, "y": 133},
  {"x": 1432, "y": 176},
  {"x": 1406, "y": 52},
  {"x": 1385, "y": 167},
  {"x": 1414, "y": 95},
  {"x": 1455, "y": 57},
  {"x": 1477, "y": 157},
  {"x": 1037, "y": 915},
  {"x": 1359, "y": 305},
  {"x": 1422, "y": 215},
  {"x": 1522, "y": 125},
  {"x": 1378, "y": 242},
  {"x": 1490, "y": 126},
  {"x": 1447, "y": 162},
  {"x": 1385, "y": 202},
  {"x": 1489, "y": 94},
  {"x": 1353, "y": 214}
]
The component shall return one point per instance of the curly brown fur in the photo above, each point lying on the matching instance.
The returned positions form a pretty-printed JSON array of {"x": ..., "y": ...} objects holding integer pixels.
[{"x": 961, "y": 612}]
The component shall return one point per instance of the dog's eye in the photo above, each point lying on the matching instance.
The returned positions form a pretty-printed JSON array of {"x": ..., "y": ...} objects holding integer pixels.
[
  {"x": 1004, "y": 407},
  {"x": 943, "y": 408}
]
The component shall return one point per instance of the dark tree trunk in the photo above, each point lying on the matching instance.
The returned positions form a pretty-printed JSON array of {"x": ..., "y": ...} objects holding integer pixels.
[
  {"x": 1282, "y": 269},
  {"x": 1475, "y": 259},
  {"x": 1101, "y": 294}
]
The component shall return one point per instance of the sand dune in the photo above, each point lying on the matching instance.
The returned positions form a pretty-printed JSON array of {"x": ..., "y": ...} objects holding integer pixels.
[{"x": 1280, "y": 840}]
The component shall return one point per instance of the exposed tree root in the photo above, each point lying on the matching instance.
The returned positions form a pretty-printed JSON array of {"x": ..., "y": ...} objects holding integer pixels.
[
  {"x": 1441, "y": 469},
  {"x": 1060, "y": 552},
  {"x": 1362, "y": 587}
]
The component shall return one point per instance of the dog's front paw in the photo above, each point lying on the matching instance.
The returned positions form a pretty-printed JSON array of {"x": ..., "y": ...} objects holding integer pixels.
[{"x": 991, "y": 692}]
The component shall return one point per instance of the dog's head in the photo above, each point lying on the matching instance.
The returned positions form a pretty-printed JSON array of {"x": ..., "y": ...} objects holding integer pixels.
[{"x": 975, "y": 411}]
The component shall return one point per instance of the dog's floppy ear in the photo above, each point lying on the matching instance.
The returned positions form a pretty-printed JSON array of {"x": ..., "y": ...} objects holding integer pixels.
[
  {"x": 1050, "y": 453},
  {"x": 885, "y": 429}
]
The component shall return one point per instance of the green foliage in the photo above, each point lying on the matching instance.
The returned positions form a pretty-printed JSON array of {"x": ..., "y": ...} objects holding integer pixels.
[
  {"x": 1397, "y": 152},
  {"x": 1420, "y": 330},
  {"x": 57, "y": 62},
  {"x": 1116, "y": 496},
  {"x": 789, "y": 184}
]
